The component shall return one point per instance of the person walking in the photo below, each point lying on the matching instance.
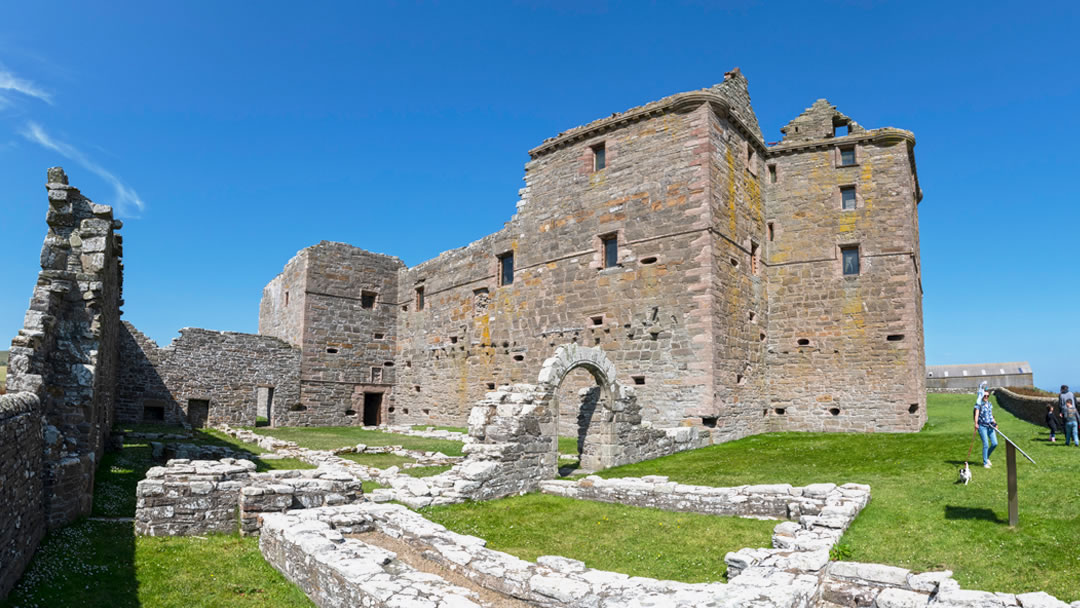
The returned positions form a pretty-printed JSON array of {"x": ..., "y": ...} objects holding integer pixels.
[
  {"x": 1052, "y": 422},
  {"x": 1072, "y": 418},
  {"x": 1062, "y": 397},
  {"x": 985, "y": 423}
]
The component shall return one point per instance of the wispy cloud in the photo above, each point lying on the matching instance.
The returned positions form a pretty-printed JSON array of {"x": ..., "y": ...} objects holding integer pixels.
[
  {"x": 11, "y": 82},
  {"x": 127, "y": 201}
]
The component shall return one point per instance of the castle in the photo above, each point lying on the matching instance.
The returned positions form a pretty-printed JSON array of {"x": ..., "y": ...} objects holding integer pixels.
[{"x": 738, "y": 286}]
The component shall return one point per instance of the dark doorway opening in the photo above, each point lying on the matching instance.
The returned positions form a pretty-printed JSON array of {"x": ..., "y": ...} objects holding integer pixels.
[
  {"x": 372, "y": 409},
  {"x": 198, "y": 410},
  {"x": 264, "y": 405}
]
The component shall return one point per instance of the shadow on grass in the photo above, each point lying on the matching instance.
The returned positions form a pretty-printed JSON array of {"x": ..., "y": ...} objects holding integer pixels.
[{"x": 952, "y": 512}]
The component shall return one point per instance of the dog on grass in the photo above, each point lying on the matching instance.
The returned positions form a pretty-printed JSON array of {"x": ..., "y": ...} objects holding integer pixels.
[{"x": 965, "y": 474}]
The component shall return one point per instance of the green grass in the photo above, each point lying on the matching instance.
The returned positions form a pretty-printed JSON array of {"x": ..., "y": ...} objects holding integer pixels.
[
  {"x": 919, "y": 518},
  {"x": 426, "y": 471},
  {"x": 379, "y": 461},
  {"x": 371, "y": 485},
  {"x": 632, "y": 540},
  {"x": 568, "y": 445},
  {"x": 333, "y": 437},
  {"x": 452, "y": 429},
  {"x": 104, "y": 565}
]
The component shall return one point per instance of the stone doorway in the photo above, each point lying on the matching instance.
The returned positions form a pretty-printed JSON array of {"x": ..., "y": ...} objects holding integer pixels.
[
  {"x": 372, "y": 409},
  {"x": 578, "y": 405},
  {"x": 198, "y": 412},
  {"x": 264, "y": 407}
]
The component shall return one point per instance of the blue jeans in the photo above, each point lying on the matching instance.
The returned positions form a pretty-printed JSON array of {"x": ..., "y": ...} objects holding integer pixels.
[
  {"x": 1070, "y": 432},
  {"x": 989, "y": 441}
]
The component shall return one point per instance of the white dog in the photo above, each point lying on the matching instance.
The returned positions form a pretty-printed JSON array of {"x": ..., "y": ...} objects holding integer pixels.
[{"x": 965, "y": 474}]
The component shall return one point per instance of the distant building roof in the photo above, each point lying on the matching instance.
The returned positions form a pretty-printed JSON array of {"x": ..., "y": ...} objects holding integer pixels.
[{"x": 978, "y": 369}]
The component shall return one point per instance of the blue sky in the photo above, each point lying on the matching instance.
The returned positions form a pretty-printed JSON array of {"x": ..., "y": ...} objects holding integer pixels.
[{"x": 230, "y": 135}]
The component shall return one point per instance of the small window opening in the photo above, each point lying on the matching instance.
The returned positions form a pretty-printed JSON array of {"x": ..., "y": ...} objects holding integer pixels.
[
  {"x": 914, "y": 407},
  {"x": 648, "y": 260},
  {"x": 597, "y": 320},
  {"x": 752, "y": 315},
  {"x": 847, "y": 156},
  {"x": 297, "y": 407},
  {"x": 506, "y": 268},
  {"x": 367, "y": 299},
  {"x": 610, "y": 245},
  {"x": 350, "y": 412},
  {"x": 153, "y": 413},
  {"x": 388, "y": 364},
  {"x": 391, "y": 409},
  {"x": 491, "y": 386},
  {"x": 835, "y": 411},
  {"x": 772, "y": 174},
  {"x": 596, "y": 341},
  {"x": 804, "y": 342},
  {"x": 639, "y": 380},
  {"x": 406, "y": 410},
  {"x": 519, "y": 357},
  {"x": 897, "y": 338},
  {"x": 453, "y": 339},
  {"x": 376, "y": 374},
  {"x": 739, "y": 379},
  {"x": 850, "y": 256},
  {"x": 754, "y": 255},
  {"x": 286, "y": 298},
  {"x": 332, "y": 351},
  {"x": 761, "y": 337},
  {"x": 380, "y": 336},
  {"x": 599, "y": 152},
  {"x": 417, "y": 388},
  {"x": 408, "y": 363},
  {"x": 709, "y": 421},
  {"x": 840, "y": 130},
  {"x": 847, "y": 198},
  {"x": 419, "y": 298},
  {"x": 772, "y": 230},
  {"x": 734, "y": 263},
  {"x": 779, "y": 411}
]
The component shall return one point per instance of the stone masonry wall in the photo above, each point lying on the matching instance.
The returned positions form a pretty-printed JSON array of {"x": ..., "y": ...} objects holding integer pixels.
[
  {"x": 22, "y": 524},
  {"x": 1026, "y": 407},
  {"x": 844, "y": 352},
  {"x": 350, "y": 327},
  {"x": 189, "y": 497},
  {"x": 281, "y": 309},
  {"x": 645, "y": 312},
  {"x": 226, "y": 369},
  {"x": 66, "y": 352}
]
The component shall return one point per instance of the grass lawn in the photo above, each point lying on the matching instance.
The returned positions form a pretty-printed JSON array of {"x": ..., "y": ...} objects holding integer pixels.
[
  {"x": 93, "y": 564},
  {"x": 632, "y": 540},
  {"x": 332, "y": 437},
  {"x": 426, "y": 471},
  {"x": 453, "y": 429},
  {"x": 918, "y": 517},
  {"x": 379, "y": 461}
]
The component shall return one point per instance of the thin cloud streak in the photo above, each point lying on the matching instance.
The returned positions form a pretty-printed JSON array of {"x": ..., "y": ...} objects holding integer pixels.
[
  {"x": 126, "y": 199},
  {"x": 11, "y": 82}
]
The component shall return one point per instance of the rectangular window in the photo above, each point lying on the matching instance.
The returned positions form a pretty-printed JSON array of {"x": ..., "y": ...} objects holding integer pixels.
[
  {"x": 772, "y": 174},
  {"x": 772, "y": 230},
  {"x": 754, "y": 254},
  {"x": 506, "y": 268},
  {"x": 850, "y": 257},
  {"x": 419, "y": 298},
  {"x": 599, "y": 152},
  {"x": 611, "y": 250},
  {"x": 847, "y": 156},
  {"x": 367, "y": 299},
  {"x": 847, "y": 197}
]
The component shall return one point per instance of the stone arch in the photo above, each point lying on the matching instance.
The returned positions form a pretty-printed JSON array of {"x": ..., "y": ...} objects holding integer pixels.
[{"x": 617, "y": 404}]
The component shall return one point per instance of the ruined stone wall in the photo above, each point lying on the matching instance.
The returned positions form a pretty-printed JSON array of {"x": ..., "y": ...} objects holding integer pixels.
[
  {"x": 22, "y": 524},
  {"x": 281, "y": 309},
  {"x": 65, "y": 353},
  {"x": 844, "y": 353},
  {"x": 349, "y": 331},
  {"x": 647, "y": 313},
  {"x": 226, "y": 369}
]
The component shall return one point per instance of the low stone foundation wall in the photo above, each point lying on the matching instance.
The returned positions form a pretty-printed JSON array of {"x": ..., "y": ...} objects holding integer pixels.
[
  {"x": 210, "y": 496},
  {"x": 1025, "y": 407},
  {"x": 773, "y": 501},
  {"x": 309, "y": 548}
]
